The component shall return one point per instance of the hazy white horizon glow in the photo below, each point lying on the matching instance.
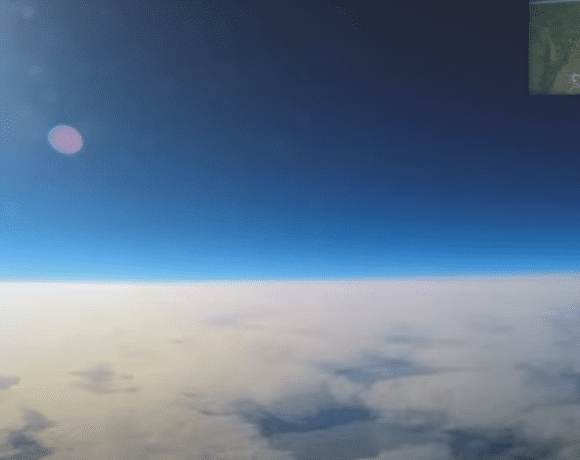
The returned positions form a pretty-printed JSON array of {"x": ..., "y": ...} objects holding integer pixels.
[{"x": 51, "y": 286}]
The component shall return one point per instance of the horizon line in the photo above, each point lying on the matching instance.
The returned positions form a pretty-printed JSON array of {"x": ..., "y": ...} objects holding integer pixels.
[{"x": 281, "y": 279}]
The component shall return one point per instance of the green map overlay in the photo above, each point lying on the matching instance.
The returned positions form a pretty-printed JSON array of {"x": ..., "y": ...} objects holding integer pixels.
[{"x": 554, "y": 52}]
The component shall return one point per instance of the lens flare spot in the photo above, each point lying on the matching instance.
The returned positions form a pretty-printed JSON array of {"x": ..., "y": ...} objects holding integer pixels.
[{"x": 65, "y": 139}]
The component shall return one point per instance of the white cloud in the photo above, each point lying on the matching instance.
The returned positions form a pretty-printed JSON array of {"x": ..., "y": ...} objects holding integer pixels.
[{"x": 250, "y": 387}]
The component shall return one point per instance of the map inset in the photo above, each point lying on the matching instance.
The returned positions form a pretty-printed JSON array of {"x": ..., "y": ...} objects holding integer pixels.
[{"x": 554, "y": 51}]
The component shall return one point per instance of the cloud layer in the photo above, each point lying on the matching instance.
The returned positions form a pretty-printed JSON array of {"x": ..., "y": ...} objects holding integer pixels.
[{"x": 431, "y": 369}]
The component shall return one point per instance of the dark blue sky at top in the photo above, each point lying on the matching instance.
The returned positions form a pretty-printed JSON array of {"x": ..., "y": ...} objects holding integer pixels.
[{"x": 281, "y": 139}]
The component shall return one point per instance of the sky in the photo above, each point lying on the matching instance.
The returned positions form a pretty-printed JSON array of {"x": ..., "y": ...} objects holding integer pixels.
[{"x": 279, "y": 140}]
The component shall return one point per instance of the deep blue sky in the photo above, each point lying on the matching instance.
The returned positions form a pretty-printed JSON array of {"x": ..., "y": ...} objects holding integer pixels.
[{"x": 281, "y": 139}]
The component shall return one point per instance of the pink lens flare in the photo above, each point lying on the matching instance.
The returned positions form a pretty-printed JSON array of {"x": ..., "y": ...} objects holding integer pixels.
[{"x": 65, "y": 139}]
